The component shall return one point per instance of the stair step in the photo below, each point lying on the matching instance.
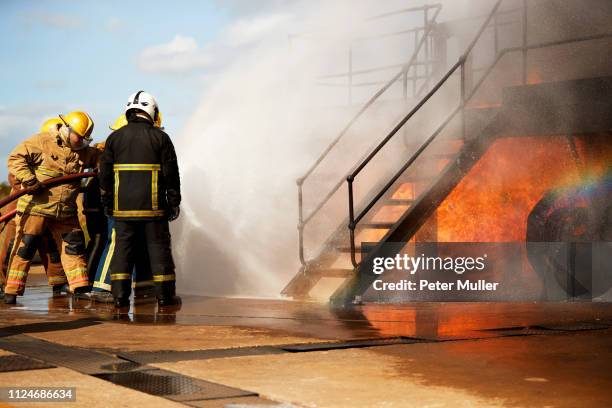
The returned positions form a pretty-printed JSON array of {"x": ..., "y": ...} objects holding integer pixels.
[
  {"x": 377, "y": 225},
  {"x": 369, "y": 234},
  {"x": 417, "y": 179},
  {"x": 337, "y": 273},
  {"x": 447, "y": 147},
  {"x": 347, "y": 250},
  {"x": 439, "y": 155},
  {"x": 343, "y": 261},
  {"x": 404, "y": 192},
  {"x": 399, "y": 201},
  {"x": 389, "y": 214}
]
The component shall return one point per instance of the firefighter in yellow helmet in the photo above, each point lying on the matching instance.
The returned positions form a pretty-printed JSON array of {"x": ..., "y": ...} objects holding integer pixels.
[
  {"x": 58, "y": 152},
  {"x": 47, "y": 249},
  {"x": 51, "y": 125}
]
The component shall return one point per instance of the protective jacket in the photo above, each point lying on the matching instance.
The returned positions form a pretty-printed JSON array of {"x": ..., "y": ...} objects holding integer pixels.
[
  {"x": 139, "y": 175},
  {"x": 43, "y": 156}
]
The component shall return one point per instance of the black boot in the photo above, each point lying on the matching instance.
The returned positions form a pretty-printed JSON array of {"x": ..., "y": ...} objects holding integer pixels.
[
  {"x": 102, "y": 297},
  {"x": 169, "y": 301},
  {"x": 83, "y": 293},
  {"x": 58, "y": 289},
  {"x": 121, "y": 303},
  {"x": 10, "y": 299},
  {"x": 144, "y": 292}
]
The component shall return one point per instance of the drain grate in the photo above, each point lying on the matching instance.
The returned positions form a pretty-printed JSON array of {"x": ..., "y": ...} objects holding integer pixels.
[
  {"x": 81, "y": 360},
  {"x": 173, "y": 386},
  {"x": 548, "y": 328},
  {"x": 168, "y": 356},
  {"x": 520, "y": 331},
  {"x": 121, "y": 367},
  {"x": 575, "y": 326},
  {"x": 130, "y": 374},
  {"x": 21, "y": 363},
  {"x": 300, "y": 348},
  {"x": 241, "y": 402}
]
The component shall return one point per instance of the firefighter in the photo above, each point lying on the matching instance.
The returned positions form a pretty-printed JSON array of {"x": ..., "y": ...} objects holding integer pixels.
[
  {"x": 47, "y": 249},
  {"x": 140, "y": 185},
  {"x": 43, "y": 156},
  {"x": 143, "y": 280}
]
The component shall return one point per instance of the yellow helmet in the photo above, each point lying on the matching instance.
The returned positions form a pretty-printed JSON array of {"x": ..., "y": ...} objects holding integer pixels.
[
  {"x": 51, "y": 125},
  {"x": 122, "y": 121},
  {"x": 80, "y": 122},
  {"x": 119, "y": 123}
]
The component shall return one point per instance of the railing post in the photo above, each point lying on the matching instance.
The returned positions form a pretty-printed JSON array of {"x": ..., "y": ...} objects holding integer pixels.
[
  {"x": 300, "y": 182},
  {"x": 495, "y": 35},
  {"x": 425, "y": 33},
  {"x": 350, "y": 74},
  {"x": 415, "y": 67},
  {"x": 462, "y": 85},
  {"x": 524, "y": 68},
  {"x": 351, "y": 225}
]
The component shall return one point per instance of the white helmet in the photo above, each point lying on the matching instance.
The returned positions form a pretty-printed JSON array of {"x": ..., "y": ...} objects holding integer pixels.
[{"x": 145, "y": 102}]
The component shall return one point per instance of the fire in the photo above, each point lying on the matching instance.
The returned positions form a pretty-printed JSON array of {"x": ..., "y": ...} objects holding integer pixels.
[
  {"x": 534, "y": 77},
  {"x": 492, "y": 203}
]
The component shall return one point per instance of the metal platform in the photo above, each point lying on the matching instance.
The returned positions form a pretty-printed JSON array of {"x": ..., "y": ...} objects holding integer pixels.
[{"x": 21, "y": 363}]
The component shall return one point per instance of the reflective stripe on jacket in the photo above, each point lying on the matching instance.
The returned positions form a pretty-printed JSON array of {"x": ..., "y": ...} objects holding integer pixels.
[{"x": 139, "y": 173}]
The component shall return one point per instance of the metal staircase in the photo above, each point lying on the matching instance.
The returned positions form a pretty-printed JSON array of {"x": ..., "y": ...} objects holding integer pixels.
[{"x": 398, "y": 206}]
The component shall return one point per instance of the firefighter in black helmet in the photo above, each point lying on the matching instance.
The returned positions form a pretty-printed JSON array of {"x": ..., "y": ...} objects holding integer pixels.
[{"x": 140, "y": 185}]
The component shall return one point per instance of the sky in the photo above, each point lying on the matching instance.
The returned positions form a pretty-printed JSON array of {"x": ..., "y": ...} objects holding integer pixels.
[{"x": 64, "y": 55}]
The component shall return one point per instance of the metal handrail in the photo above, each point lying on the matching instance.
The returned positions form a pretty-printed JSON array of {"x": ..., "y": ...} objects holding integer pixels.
[
  {"x": 372, "y": 70},
  {"x": 302, "y": 221},
  {"x": 351, "y": 177},
  {"x": 376, "y": 17},
  {"x": 372, "y": 83},
  {"x": 353, "y": 221}
]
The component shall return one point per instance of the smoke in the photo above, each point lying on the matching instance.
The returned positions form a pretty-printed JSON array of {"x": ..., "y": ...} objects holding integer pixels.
[{"x": 261, "y": 123}]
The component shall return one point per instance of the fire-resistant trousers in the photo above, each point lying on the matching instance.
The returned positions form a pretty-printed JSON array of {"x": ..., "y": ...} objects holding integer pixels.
[
  {"x": 142, "y": 271},
  {"x": 128, "y": 236},
  {"x": 49, "y": 255},
  {"x": 67, "y": 235}
]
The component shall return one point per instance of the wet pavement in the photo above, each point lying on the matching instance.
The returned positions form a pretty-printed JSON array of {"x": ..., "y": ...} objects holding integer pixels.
[{"x": 276, "y": 351}]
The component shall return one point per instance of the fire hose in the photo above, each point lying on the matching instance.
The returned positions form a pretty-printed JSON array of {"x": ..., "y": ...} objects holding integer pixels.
[{"x": 47, "y": 183}]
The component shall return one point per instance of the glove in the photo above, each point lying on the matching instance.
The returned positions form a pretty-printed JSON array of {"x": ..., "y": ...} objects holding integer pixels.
[
  {"x": 173, "y": 213},
  {"x": 34, "y": 185},
  {"x": 107, "y": 203}
]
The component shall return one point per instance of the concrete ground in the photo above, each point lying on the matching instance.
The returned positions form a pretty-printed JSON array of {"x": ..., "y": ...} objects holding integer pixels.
[{"x": 216, "y": 352}]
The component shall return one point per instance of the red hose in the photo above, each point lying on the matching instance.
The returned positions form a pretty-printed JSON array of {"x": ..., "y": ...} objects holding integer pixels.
[
  {"x": 8, "y": 215},
  {"x": 50, "y": 182}
]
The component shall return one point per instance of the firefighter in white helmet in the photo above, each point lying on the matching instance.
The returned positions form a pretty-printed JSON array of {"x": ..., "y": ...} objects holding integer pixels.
[
  {"x": 143, "y": 280},
  {"x": 140, "y": 184}
]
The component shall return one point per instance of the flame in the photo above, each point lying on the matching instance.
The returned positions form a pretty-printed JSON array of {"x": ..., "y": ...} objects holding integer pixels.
[
  {"x": 492, "y": 203},
  {"x": 534, "y": 77}
]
